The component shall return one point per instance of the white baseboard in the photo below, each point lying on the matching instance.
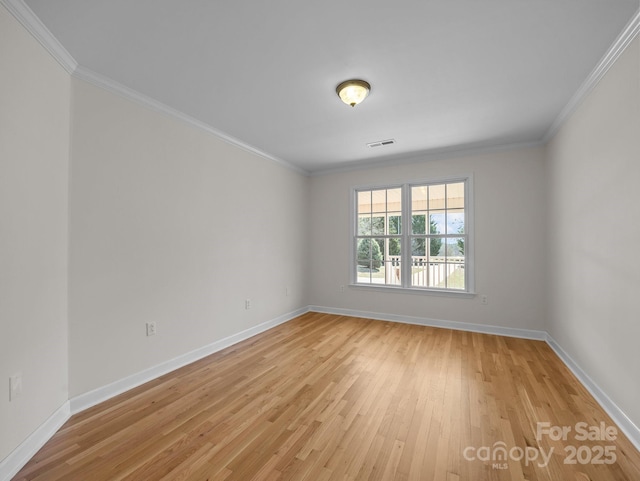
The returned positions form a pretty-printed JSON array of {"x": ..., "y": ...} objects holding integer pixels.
[
  {"x": 619, "y": 417},
  {"x": 425, "y": 321},
  {"x": 101, "y": 394},
  {"x": 21, "y": 455},
  {"x": 13, "y": 463},
  {"x": 10, "y": 465}
]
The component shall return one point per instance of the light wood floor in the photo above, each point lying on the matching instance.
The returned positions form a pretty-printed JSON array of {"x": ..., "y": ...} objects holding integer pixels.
[{"x": 326, "y": 397}]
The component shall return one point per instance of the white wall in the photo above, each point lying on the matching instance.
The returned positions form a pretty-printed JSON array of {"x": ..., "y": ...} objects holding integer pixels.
[
  {"x": 34, "y": 151},
  {"x": 173, "y": 225},
  {"x": 168, "y": 223},
  {"x": 510, "y": 223},
  {"x": 594, "y": 174}
]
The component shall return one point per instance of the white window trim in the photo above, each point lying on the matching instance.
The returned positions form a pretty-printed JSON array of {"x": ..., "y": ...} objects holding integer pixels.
[{"x": 469, "y": 227}]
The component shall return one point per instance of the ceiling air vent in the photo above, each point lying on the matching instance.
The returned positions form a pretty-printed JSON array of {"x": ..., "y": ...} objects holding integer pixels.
[{"x": 381, "y": 143}]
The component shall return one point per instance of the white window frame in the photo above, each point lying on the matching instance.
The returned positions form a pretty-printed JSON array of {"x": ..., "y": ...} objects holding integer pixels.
[{"x": 405, "y": 286}]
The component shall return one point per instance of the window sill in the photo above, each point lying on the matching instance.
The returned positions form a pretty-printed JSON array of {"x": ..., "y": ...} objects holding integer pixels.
[{"x": 414, "y": 290}]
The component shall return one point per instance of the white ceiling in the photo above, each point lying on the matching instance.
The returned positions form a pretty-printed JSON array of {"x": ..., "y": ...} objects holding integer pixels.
[{"x": 445, "y": 74}]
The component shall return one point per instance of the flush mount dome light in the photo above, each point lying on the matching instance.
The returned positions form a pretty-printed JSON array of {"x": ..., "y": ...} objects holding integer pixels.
[{"x": 352, "y": 92}]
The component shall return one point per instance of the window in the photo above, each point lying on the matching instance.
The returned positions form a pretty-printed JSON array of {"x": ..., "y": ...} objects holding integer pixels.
[{"x": 414, "y": 236}]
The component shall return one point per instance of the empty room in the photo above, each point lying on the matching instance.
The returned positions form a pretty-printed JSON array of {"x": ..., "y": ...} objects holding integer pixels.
[{"x": 270, "y": 241}]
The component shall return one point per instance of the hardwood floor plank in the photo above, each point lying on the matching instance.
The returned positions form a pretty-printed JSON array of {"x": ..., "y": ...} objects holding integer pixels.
[{"x": 327, "y": 397}]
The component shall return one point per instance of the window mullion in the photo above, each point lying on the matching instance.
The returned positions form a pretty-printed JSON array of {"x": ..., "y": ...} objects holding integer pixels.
[{"x": 406, "y": 236}]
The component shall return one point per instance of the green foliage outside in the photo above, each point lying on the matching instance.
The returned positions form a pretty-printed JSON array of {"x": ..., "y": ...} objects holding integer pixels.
[
  {"x": 369, "y": 254},
  {"x": 418, "y": 226},
  {"x": 436, "y": 243},
  {"x": 394, "y": 247}
]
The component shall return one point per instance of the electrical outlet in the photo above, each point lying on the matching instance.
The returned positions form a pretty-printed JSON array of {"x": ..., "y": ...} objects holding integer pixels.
[
  {"x": 287, "y": 291},
  {"x": 247, "y": 304},
  {"x": 342, "y": 288},
  {"x": 151, "y": 329},
  {"x": 15, "y": 386},
  {"x": 484, "y": 300}
]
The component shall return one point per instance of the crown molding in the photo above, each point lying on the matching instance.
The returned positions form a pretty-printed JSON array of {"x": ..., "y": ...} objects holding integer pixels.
[
  {"x": 29, "y": 20},
  {"x": 106, "y": 83},
  {"x": 41, "y": 33},
  {"x": 627, "y": 36},
  {"x": 427, "y": 156}
]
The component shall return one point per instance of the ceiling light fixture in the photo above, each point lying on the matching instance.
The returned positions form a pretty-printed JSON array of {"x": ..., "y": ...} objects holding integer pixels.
[{"x": 354, "y": 91}]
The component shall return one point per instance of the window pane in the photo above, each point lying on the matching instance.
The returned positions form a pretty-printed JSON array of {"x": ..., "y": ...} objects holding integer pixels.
[
  {"x": 418, "y": 223},
  {"x": 364, "y": 252},
  {"x": 455, "y": 248},
  {"x": 418, "y": 246},
  {"x": 455, "y": 276},
  {"x": 364, "y": 225},
  {"x": 364, "y": 202},
  {"x": 377, "y": 253},
  {"x": 363, "y": 275},
  {"x": 370, "y": 268},
  {"x": 455, "y": 196},
  {"x": 437, "y": 275},
  {"x": 435, "y": 247},
  {"x": 419, "y": 197},
  {"x": 460, "y": 243},
  {"x": 437, "y": 222},
  {"x": 455, "y": 221},
  {"x": 437, "y": 196},
  {"x": 378, "y": 200},
  {"x": 395, "y": 246},
  {"x": 394, "y": 200},
  {"x": 377, "y": 226},
  {"x": 395, "y": 224},
  {"x": 392, "y": 272},
  {"x": 369, "y": 253},
  {"x": 419, "y": 271}
]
